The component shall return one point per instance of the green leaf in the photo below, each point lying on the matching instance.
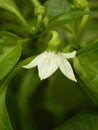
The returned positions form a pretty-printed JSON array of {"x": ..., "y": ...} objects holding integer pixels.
[
  {"x": 64, "y": 97},
  {"x": 62, "y": 19},
  {"x": 10, "y": 52},
  {"x": 56, "y": 7},
  {"x": 11, "y": 6},
  {"x": 86, "y": 66},
  {"x": 4, "y": 118},
  {"x": 82, "y": 121}
]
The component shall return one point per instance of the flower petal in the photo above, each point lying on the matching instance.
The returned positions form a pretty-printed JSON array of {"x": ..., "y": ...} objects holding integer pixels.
[
  {"x": 48, "y": 65},
  {"x": 35, "y": 61},
  {"x": 69, "y": 55},
  {"x": 66, "y": 69}
]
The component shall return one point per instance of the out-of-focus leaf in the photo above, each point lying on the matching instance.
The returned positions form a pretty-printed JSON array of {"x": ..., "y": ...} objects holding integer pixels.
[
  {"x": 10, "y": 52},
  {"x": 59, "y": 97},
  {"x": 11, "y": 6},
  {"x": 83, "y": 121},
  {"x": 86, "y": 66},
  {"x": 64, "y": 18},
  {"x": 56, "y": 7},
  {"x": 29, "y": 84}
]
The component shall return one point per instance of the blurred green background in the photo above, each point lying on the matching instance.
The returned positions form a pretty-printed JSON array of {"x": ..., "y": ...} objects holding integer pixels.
[{"x": 44, "y": 105}]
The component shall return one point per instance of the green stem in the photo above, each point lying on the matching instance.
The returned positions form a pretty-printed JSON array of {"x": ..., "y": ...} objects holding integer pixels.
[
  {"x": 82, "y": 25},
  {"x": 25, "y": 92},
  {"x": 36, "y": 3},
  {"x": 23, "y": 21},
  {"x": 39, "y": 21},
  {"x": 24, "y": 41},
  {"x": 5, "y": 123}
]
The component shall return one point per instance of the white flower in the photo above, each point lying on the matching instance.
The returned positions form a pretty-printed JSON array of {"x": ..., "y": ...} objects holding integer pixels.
[{"x": 48, "y": 62}]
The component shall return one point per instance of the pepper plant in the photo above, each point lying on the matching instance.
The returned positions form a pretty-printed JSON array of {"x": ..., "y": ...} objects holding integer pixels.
[{"x": 48, "y": 65}]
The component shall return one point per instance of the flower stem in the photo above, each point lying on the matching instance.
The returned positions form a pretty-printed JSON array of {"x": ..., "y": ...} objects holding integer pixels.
[
  {"x": 36, "y": 3},
  {"x": 82, "y": 25},
  {"x": 25, "y": 92}
]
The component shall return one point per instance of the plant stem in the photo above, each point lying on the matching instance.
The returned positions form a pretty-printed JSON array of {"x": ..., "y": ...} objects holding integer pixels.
[
  {"x": 24, "y": 41},
  {"x": 23, "y": 21},
  {"x": 36, "y": 3},
  {"x": 30, "y": 82},
  {"x": 82, "y": 25}
]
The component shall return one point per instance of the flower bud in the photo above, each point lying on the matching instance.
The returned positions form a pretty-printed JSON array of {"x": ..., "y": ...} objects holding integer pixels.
[{"x": 40, "y": 10}]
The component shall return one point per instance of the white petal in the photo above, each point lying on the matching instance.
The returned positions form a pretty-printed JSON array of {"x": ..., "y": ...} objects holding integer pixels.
[
  {"x": 66, "y": 69},
  {"x": 69, "y": 55},
  {"x": 48, "y": 65},
  {"x": 35, "y": 61}
]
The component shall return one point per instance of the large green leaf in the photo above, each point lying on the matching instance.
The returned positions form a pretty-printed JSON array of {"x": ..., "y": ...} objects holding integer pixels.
[
  {"x": 83, "y": 121},
  {"x": 11, "y": 6},
  {"x": 86, "y": 66},
  {"x": 10, "y": 51}
]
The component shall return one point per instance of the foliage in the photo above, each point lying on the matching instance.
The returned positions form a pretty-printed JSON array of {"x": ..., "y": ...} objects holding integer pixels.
[{"x": 56, "y": 103}]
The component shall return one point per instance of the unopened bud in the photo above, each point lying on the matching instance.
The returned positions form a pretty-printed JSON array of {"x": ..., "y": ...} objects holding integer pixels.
[{"x": 40, "y": 10}]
